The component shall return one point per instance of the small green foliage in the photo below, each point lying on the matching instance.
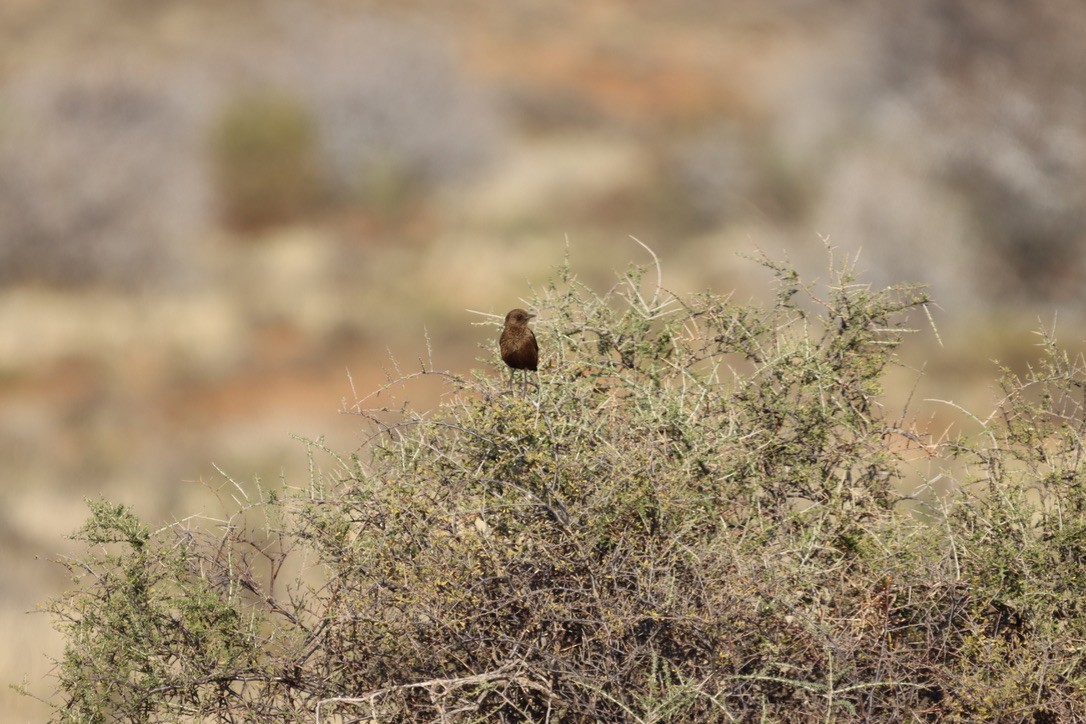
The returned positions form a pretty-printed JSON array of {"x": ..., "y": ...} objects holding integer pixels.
[
  {"x": 155, "y": 630},
  {"x": 691, "y": 514},
  {"x": 111, "y": 523}
]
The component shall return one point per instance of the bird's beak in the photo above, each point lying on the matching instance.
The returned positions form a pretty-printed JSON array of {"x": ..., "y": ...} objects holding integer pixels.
[{"x": 531, "y": 316}]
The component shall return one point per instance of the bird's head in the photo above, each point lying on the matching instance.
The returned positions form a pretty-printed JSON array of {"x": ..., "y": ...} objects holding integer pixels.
[{"x": 518, "y": 316}]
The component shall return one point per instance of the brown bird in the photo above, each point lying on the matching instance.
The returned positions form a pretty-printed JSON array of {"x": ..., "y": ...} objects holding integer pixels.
[{"x": 518, "y": 346}]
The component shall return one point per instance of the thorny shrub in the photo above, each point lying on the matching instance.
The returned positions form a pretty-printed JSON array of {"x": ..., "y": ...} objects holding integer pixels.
[{"x": 694, "y": 512}]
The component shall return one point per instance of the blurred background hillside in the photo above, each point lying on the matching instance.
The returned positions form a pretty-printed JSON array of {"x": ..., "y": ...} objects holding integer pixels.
[{"x": 211, "y": 212}]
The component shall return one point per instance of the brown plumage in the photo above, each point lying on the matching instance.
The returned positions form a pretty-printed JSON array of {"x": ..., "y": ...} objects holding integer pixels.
[{"x": 518, "y": 346}]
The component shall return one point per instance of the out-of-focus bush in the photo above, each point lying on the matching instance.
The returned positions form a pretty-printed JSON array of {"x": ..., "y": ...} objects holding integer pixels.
[
  {"x": 99, "y": 181},
  {"x": 949, "y": 141},
  {"x": 394, "y": 117},
  {"x": 107, "y": 170},
  {"x": 1000, "y": 89},
  {"x": 266, "y": 160}
]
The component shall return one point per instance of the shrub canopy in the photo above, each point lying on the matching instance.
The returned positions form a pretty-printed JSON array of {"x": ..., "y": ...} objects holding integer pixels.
[{"x": 695, "y": 512}]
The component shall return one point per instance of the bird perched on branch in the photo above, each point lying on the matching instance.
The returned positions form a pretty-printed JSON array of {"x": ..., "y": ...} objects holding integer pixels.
[{"x": 518, "y": 346}]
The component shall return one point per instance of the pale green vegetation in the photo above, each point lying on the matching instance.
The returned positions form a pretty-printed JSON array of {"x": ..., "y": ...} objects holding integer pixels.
[{"x": 702, "y": 511}]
